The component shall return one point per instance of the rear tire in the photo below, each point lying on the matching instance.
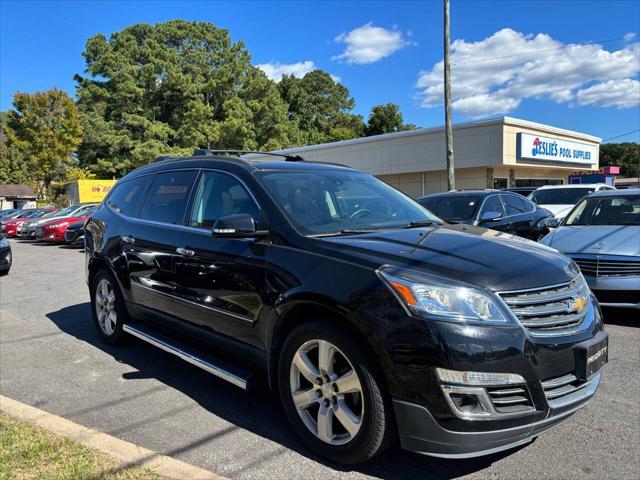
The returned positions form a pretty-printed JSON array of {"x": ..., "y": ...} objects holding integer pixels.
[
  {"x": 107, "y": 307},
  {"x": 343, "y": 413}
]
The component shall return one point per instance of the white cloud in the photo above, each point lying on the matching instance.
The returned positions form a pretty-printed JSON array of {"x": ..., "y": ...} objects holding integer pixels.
[
  {"x": 494, "y": 75},
  {"x": 276, "y": 70},
  {"x": 629, "y": 36},
  {"x": 368, "y": 44},
  {"x": 614, "y": 93}
]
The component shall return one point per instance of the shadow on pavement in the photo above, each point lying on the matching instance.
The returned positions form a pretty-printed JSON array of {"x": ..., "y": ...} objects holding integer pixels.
[
  {"x": 257, "y": 411},
  {"x": 625, "y": 317}
]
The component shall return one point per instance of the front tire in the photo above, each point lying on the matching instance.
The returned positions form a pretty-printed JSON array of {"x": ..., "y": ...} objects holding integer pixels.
[
  {"x": 107, "y": 307},
  {"x": 333, "y": 394}
]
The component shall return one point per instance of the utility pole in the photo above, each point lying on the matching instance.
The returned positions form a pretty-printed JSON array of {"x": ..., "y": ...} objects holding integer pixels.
[{"x": 451, "y": 181}]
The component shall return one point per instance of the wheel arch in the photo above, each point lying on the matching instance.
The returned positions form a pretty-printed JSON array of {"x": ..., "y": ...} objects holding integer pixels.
[{"x": 296, "y": 312}]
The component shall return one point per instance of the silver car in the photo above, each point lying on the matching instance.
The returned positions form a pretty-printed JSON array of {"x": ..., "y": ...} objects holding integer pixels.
[{"x": 602, "y": 235}]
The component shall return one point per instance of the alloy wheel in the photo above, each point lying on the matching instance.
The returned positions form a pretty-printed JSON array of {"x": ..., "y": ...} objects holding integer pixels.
[
  {"x": 326, "y": 392},
  {"x": 106, "y": 307}
]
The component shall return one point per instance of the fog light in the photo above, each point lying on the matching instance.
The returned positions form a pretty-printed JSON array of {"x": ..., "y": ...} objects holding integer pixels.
[
  {"x": 478, "y": 378},
  {"x": 467, "y": 404},
  {"x": 466, "y": 394}
]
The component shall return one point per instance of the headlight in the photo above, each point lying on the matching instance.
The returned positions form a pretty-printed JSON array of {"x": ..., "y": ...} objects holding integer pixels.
[
  {"x": 4, "y": 242},
  {"x": 442, "y": 300},
  {"x": 58, "y": 225}
]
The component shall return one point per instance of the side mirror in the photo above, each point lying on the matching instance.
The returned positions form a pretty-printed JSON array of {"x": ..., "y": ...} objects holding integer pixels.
[
  {"x": 553, "y": 222},
  {"x": 490, "y": 217},
  {"x": 239, "y": 225}
]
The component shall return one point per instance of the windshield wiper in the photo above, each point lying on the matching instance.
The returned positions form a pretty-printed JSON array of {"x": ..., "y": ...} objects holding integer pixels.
[
  {"x": 346, "y": 231},
  {"x": 422, "y": 223}
]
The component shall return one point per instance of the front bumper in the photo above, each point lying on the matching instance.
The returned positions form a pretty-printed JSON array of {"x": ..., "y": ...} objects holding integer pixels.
[
  {"x": 616, "y": 291},
  {"x": 550, "y": 368},
  {"x": 420, "y": 432}
]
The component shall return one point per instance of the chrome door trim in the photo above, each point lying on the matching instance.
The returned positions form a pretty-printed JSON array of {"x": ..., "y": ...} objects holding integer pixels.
[{"x": 214, "y": 309}]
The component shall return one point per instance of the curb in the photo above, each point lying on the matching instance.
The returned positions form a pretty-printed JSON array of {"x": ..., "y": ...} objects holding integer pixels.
[{"x": 127, "y": 453}]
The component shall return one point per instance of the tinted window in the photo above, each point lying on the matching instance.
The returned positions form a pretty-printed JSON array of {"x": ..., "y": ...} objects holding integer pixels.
[
  {"x": 165, "y": 201},
  {"x": 219, "y": 195},
  {"x": 559, "y": 196},
  {"x": 515, "y": 205},
  {"x": 125, "y": 197},
  {"x": 452, "y": 207},
  {"x": 494, "y": 205}
]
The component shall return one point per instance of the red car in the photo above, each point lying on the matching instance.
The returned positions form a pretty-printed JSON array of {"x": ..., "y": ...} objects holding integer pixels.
[
  {"x": 54, "y": 230},
  {"x": 10, "y": 227}
]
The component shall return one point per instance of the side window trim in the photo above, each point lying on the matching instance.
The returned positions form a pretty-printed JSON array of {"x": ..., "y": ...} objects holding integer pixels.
[{"x": 196, "y": 185}]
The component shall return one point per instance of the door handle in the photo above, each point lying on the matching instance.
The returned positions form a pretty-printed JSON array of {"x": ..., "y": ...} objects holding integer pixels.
[
  {"x": 185, "y": 252},
  {"x": 128, "y": 239}
]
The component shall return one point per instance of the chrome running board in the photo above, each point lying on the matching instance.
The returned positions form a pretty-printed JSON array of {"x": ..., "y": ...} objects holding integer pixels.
[{"x": 220, "y": 369}]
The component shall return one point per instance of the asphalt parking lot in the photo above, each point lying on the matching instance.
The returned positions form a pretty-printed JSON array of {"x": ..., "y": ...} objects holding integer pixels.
[{"x": 51, "y": 358}]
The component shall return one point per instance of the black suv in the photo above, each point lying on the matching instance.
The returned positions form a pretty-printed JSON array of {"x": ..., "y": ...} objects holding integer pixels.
[
  {"x": 370, "y": 317},
  {"x": 498, "y": 210}
]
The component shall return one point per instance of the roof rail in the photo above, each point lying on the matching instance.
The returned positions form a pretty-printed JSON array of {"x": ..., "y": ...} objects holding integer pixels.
[
  {"x": 207, "y": 152},
  {"x": 288, "y": 158}
]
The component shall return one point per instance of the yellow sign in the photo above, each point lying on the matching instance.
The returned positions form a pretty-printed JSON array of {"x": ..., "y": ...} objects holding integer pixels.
[{"x": 93, "y": 190}]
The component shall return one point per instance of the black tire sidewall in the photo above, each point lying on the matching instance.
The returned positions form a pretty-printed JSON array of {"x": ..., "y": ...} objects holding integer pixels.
[
  {"x": 377, "y": 414},
  {"x": 117, "y": 334}
]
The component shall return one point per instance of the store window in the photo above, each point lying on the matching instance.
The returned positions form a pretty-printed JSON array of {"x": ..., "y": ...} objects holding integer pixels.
[
  {"x": 500, "y": 183},
  {"x": 537, "y": 182}
]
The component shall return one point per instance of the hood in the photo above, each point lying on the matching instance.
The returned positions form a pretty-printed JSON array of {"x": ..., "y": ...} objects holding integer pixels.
[
  {"x": 559, "y": 211},
  {"x": 474, "y": 255},
  {"x": 596, "y": 239}
]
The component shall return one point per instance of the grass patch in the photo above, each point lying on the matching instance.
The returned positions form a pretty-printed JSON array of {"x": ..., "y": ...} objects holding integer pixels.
[{"x": 29, "y": 452}]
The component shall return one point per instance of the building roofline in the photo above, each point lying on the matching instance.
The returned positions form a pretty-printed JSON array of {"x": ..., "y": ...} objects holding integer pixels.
[{"x": 440, "y": 128}]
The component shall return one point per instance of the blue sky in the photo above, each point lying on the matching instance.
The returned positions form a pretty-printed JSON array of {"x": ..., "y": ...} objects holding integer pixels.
[{"x": 525, "y": 59}]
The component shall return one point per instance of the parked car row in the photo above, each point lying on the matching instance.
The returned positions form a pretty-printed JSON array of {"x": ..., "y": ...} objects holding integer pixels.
[{"x": 46, "y": 224}]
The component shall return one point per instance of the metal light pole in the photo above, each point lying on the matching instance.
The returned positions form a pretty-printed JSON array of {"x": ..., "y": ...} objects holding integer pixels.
[{"x": 451, "y": 181}]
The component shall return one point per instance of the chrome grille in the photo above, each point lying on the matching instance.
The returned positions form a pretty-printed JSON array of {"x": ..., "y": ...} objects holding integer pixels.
[
  {"x": 566, "y": 389},
  {"x": 607, "y": 266},
  {"x": 510, "y": 399},
  {"x": 549, "y": 311}
]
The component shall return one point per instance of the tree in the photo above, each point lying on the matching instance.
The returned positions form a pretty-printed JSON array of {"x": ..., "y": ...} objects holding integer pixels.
[
  {"x": 320, "y": 107},
  {"x": 625, "y": 155},
  {"x": 40, "y": 135},
  {"x": 170, "y": 88},
  {"x": 386, "y": 119}
]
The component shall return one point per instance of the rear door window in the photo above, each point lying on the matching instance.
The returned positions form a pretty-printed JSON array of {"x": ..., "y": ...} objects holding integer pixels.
[
  {"x": 167, "y": 197},
  {"x": 125, "y": 197}
]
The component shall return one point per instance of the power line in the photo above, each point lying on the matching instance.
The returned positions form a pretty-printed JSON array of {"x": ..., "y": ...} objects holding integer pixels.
[
  {"x": 539, "y": 51},
  {"x": 618, "y": 136}
]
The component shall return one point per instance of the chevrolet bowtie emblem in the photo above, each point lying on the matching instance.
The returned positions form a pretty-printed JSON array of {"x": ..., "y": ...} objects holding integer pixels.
[{"x": 578, "y": 304}]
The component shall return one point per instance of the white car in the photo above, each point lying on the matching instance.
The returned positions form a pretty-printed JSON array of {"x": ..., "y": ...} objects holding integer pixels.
[{"x": 560, "y": 199}]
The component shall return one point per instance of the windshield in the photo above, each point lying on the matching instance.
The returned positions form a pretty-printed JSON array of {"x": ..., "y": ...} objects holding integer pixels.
[
  {"x": 66, "y": 211},
  {"x": 560, "y": 196},
  {"x": 32, "y": 214},
  {"x": 334, "y": 202},
  {"x": 452, "y": 207},
  {"x": 623, "y": 210}
]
